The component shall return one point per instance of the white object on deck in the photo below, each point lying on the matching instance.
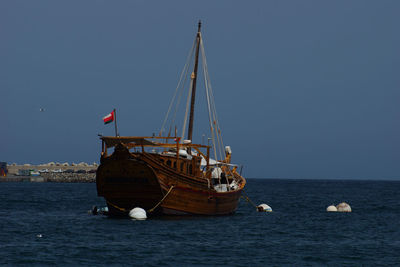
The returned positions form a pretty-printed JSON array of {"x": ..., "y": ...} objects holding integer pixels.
[
  {"x": 264, "y": 207},
  {"x": 343, "y": 207},
  {"x": 234, "y": 185},
  {"x": 216, "y": 173},
  {"x": 204, "y": 162},
  {"x": 138, "y": 214},
  {"x": 331, "y": 208},
  {"x": 183, "y": 153},
  {"x": 221, "y": 188}
]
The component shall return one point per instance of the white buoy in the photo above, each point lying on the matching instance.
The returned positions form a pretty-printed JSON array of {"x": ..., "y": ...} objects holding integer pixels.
[
  {"x": 331, "y": 208},
  {"x": 138, "y": 214},
  {"x": 264, "y": 207},
  {"x": 343, "y": 207}
]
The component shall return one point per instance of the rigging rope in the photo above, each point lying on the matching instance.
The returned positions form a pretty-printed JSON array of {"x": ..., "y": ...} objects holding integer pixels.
[
  {"x": 216, "y": 122},
  {"x": 217, "y": 142},
  {"x": 185, "y": 119},
  {"x": 183, "y": 74},
  {"x": 179, "y": 99},
  {"x": 213, "y": 118},
  {"x": 217, "y": 128},
  {"x": 206, "y": 83}
]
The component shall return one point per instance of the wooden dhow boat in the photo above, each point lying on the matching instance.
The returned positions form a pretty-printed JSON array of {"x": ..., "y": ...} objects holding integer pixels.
[{"x": 169, "y": 174}]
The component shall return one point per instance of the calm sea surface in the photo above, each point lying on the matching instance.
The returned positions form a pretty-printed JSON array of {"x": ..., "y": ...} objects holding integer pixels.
[{"x": 299, "y": 232}]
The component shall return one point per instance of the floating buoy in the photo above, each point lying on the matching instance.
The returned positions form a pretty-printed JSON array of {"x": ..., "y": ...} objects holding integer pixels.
[
  {"x": 264, "y": 207},
  {"x": 39, "y": 235},
  {"x": 343, "y": 207},
  {"x": 138, "y": 214},
  {"x": 331, "y": 208},
  {"x": 94, "y": 210},
  {"x": 103, "y": 210},
  {"x": 98, "y": 211}
]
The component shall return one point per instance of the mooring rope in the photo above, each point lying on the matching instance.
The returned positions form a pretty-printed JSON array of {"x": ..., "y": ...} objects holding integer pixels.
[
  {"x": 150, "y": 210},
  {"x": 245, "y": 197},
  {"x": 115, "y": 206},
  {"x": 169, "y": 191}
]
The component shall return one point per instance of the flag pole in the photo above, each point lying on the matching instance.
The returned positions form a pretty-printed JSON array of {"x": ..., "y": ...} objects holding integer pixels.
[{"x": 115, "y": 122}]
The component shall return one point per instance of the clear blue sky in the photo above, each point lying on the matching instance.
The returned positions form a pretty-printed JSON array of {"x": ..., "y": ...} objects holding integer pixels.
[{"x": 304, "y": 89}]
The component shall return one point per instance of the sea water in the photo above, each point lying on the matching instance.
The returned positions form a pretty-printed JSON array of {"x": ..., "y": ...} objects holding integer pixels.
[{"x": 48, "y": 224}]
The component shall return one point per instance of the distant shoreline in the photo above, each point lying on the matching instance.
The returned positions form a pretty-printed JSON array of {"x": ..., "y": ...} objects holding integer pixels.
[
  {"x": 52, "y": 178},
  {"x": 50, "y": 172},
  {"x": 49, "y": 167}
]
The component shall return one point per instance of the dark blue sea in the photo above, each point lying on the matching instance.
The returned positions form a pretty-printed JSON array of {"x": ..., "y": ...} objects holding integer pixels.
[{"x": 48, "y": 224}]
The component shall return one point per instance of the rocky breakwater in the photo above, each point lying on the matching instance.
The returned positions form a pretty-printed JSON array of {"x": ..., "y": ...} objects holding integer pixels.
[
  {"x": 53, "y": 172},
  {"x": 69, "y": 177}
]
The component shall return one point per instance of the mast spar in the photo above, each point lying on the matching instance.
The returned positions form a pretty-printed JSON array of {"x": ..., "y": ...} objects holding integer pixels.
[{"x": 194, "y": 79}]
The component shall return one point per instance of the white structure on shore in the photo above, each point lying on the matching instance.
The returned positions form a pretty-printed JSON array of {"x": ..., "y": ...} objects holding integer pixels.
[{"x": 51, "y": 167}]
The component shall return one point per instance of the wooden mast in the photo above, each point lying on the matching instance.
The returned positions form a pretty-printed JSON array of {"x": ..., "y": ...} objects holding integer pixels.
[{"x": 194, "y": 79}]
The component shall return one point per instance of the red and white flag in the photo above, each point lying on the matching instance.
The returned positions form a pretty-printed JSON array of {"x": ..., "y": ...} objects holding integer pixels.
[{"x": 109, "y": 118}]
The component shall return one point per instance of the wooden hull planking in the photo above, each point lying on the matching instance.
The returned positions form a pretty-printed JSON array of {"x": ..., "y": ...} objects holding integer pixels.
[{"x": 141, "y": 181}]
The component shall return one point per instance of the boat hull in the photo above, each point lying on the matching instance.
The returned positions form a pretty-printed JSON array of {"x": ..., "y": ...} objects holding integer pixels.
[
  {"x": 141, "y": 182},
  {"x": 126, "y": 184}
]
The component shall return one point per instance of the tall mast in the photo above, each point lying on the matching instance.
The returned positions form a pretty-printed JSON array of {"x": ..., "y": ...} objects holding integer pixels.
[{"x": 194, "y": 79}]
